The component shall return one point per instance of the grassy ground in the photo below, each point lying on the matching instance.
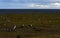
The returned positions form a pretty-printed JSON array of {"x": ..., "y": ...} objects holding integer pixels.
[{"x": 49, "y": 23}]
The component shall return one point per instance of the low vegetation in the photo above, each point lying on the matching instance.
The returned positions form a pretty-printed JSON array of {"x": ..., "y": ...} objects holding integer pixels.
[{"x": 49, "y": 23}]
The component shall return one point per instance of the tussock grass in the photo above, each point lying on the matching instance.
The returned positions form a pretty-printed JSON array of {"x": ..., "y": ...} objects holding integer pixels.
[{"x": 47, "y": 22}]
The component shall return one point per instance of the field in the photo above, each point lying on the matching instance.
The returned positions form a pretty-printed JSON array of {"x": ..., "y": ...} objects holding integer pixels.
[{"x": 48, "y": 23}]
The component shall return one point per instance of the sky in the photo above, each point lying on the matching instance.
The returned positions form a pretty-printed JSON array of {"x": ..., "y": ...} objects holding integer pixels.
[{"x": 29, "y": 4}]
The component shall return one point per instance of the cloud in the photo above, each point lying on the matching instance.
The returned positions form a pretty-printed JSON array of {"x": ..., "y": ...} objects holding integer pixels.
[
  {"x": 46, "y": 6},
  {"x": 30, "y": 4},
  {"x": 36, "y": 6},
  {"x": 54, "y": 5}
]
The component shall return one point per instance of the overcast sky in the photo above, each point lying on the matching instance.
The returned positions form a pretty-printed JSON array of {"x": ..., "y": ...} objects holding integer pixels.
[{"x": 29, "y": 4}]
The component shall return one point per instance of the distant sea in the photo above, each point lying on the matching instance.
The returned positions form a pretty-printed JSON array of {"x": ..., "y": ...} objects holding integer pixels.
[{"x": 26, "y": 11}]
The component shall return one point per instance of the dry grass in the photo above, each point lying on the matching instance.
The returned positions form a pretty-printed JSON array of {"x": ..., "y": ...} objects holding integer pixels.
[{"x": 50, "y": 23}]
